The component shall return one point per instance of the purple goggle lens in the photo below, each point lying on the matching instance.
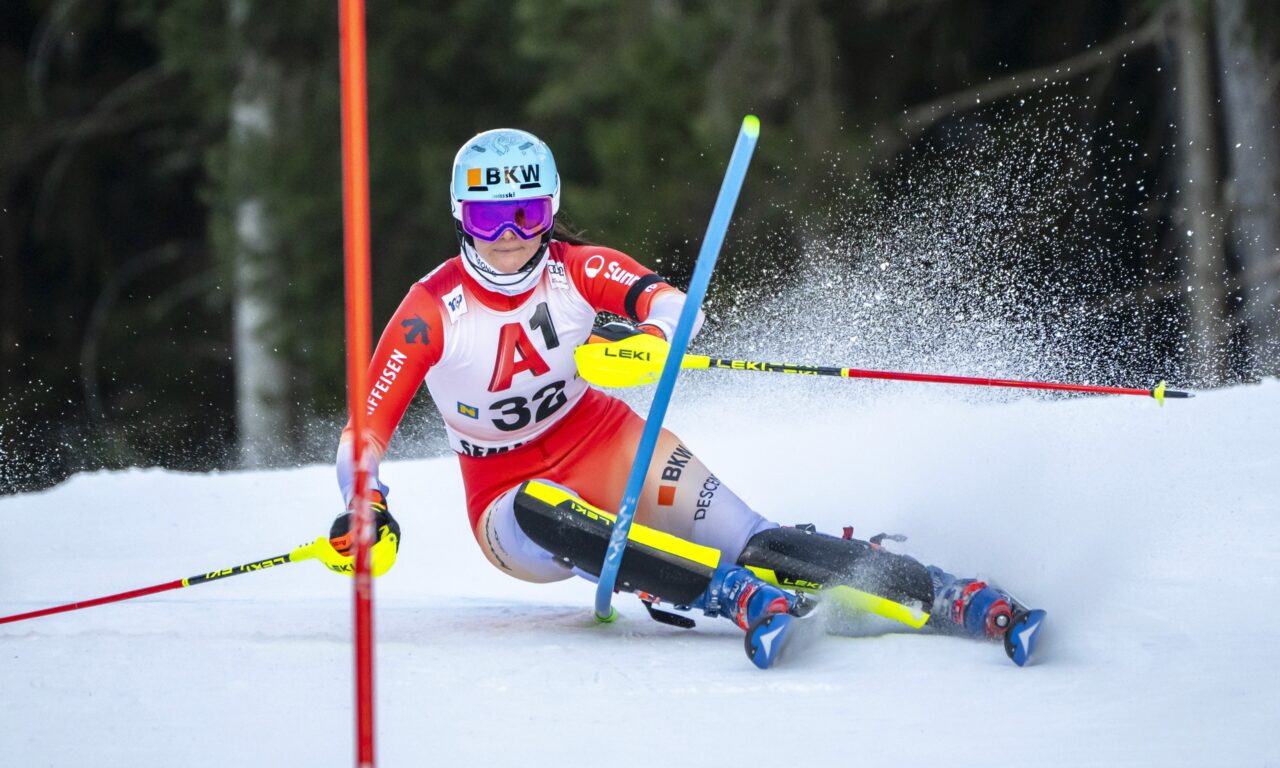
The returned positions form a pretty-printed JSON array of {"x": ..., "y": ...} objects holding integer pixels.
[{"x": 486, "y": 219}]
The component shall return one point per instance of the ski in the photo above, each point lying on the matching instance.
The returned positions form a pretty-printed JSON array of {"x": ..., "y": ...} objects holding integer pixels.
[{"x": 767, "y": 640}]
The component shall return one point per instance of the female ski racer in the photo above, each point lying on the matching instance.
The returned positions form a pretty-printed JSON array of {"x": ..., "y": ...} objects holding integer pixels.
[{"x": 545, "y": 456}]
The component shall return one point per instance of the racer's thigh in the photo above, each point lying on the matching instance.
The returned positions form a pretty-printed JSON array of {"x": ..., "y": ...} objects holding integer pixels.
[
  {"x": 683, "y": 497},
  {"x": 680, "y": 495}
]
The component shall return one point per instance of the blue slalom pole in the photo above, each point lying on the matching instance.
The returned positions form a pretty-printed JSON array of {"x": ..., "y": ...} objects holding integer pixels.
[{"x": 711, "y": 243}]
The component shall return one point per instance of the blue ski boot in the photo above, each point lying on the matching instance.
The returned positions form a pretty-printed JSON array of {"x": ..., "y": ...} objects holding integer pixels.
[
  {"x": 971, "y": 607},
  {"x": 760, "y": 608}
]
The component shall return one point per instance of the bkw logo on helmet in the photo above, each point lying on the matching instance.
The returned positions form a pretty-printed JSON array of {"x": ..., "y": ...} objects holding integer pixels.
[{"x": 526, "y": 176}]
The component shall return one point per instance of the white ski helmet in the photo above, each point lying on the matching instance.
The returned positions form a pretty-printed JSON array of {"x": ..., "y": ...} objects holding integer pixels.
[{"x": 504, "y": 165}]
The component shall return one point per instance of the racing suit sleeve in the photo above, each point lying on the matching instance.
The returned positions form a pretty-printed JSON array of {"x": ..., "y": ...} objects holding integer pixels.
[
  {"x": 612, "y": 281},
  {"x": 412, "y": 342}
]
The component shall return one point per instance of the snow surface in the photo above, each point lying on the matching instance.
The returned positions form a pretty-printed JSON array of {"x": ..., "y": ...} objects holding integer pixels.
[{"x": 1151, "y": 535}]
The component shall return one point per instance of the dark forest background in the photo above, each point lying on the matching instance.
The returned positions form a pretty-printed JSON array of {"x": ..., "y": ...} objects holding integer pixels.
[{"x": 170, "y": 200}]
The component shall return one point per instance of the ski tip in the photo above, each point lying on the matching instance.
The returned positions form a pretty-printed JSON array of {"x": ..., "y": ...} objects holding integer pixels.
[
  {"x": 751, "y": 125},
  {"x": 767, "y": 637},
  {"x": 1023, "y": 636}
]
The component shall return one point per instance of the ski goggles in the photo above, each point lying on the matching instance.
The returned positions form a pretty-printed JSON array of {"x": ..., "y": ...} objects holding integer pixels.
[{"x": 488, "y": 219}]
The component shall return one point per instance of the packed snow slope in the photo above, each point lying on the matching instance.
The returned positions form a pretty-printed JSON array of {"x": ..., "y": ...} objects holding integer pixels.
[{"x": 1150, "y": 534}]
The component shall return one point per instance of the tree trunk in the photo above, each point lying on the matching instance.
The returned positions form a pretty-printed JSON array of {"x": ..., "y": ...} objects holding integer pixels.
[
  {"x": 1249, "y": 113},
  {"x": 262, "y": 380},
  {"x": 1198, "y": 193}
]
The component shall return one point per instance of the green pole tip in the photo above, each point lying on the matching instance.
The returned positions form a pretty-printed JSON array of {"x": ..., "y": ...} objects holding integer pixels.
[
  {"x": 613, "y": 615},
  {"x": 751, "y": 124}
]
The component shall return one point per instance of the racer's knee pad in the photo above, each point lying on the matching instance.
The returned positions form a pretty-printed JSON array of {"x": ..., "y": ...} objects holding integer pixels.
[{"x": 577, "y": 533}]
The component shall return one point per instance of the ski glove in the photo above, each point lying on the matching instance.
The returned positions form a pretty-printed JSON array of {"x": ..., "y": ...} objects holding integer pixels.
[{"x": 338, "y": 551}]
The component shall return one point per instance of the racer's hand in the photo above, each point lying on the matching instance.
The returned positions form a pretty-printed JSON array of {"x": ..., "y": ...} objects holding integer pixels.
[
  {"x": 652, "y": 330},
  {"x": 339, "y": 554},
  {"x": 616, "y": 330}
]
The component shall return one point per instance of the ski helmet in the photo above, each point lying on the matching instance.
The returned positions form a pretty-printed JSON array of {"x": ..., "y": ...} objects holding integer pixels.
[{"x": 504, "y": 166}]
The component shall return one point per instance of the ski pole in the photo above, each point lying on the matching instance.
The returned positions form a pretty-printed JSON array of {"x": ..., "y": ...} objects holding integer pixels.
[
  {"x": 639, "y": 359},
  {"x": 304, "y": 552}
]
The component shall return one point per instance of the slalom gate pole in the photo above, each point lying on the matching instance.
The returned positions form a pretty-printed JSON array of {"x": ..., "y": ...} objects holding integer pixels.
[
  {"x": 304, "y": 552},
  {"x": 714, "y": 238},
  {"x": 604, "y": 365},
  {"x": 355, "y": 197}
]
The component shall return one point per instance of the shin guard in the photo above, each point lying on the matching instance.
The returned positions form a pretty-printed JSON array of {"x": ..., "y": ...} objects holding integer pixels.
[
  {"x": 859, "y": 576},
  {"x": 656, "y": 563}
]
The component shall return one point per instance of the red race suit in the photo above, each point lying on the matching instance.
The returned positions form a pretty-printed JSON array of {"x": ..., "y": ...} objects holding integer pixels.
[{"x": 501, "y": 371}]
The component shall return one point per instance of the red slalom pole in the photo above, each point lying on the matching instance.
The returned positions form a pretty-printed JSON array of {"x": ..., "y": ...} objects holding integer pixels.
[{"x": 355, "y": 197}]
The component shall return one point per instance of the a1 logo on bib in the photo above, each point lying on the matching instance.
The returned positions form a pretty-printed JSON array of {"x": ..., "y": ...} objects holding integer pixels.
[{"x": 516, "y": 352}]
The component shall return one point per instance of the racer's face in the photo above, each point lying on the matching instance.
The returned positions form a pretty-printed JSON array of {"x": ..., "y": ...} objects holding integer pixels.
[{"x": 508, "y": 253}]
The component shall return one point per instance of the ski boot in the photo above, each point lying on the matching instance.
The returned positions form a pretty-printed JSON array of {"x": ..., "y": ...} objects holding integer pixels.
[
  {"x": 763, "y": 610},
  {"x": 976, "y": 609}
]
